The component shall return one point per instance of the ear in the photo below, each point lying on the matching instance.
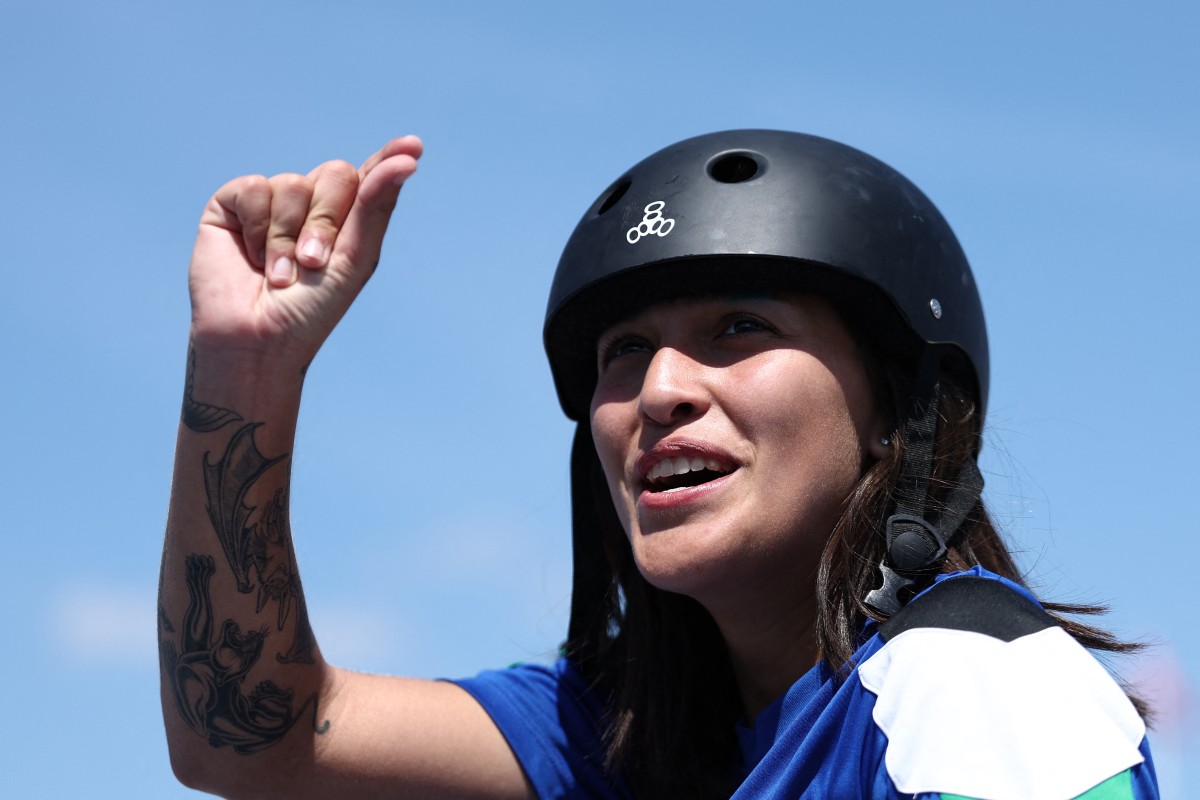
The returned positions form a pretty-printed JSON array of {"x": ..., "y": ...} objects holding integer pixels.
[{"x": 881, "y": 443}]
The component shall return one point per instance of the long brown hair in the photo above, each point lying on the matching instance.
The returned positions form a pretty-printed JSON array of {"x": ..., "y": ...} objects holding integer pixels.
[{"x": 673, "y": 701}]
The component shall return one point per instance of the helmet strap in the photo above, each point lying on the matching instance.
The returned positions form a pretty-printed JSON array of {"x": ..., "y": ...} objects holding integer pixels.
[{"x": 918, "y": 535}]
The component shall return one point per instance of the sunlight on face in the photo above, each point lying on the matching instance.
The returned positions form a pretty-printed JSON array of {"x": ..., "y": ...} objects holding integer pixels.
[{"x": 731, "y": 431}]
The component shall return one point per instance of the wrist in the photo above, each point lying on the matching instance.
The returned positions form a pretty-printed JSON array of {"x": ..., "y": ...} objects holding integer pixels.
[
  {"x": 256, "y": 361},
  {"x": 259, "y": 382}
]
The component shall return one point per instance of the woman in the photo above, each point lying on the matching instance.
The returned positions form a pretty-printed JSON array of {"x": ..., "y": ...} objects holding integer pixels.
[{"x": 786, "y": 584}]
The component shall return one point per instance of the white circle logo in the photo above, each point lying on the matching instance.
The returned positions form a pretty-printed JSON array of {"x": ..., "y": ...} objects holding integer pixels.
[{"x": 652, "y": 223}]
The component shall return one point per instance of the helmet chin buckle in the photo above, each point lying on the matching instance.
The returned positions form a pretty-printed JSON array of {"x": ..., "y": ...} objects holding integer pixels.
[
  {"x": 913, "y": 543},
  {"x": 895, "y": 593},
  {"x": 915, "y": 551}
]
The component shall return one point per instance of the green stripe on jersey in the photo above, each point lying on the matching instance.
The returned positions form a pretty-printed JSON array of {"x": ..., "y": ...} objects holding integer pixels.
[{"x": 1118, "y": 787}]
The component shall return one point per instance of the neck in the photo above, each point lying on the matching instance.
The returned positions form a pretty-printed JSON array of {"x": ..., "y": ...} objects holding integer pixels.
[{"x": 769, "y": 651}]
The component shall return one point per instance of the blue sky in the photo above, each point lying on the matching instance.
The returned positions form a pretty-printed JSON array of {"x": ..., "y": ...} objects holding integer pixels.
[{"x": 430, "y": 496}]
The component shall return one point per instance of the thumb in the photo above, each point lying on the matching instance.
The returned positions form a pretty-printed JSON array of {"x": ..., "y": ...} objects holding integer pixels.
[{"x": 361, "y": 238}]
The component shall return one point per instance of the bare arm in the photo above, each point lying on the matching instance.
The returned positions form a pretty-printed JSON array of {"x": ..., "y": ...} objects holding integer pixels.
[{"x": 251, "y": 709}]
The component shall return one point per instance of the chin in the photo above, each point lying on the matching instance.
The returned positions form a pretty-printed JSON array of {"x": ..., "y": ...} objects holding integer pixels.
[
  {"x": 690, "y": 563},
  {"x": 722, "y": 564}
]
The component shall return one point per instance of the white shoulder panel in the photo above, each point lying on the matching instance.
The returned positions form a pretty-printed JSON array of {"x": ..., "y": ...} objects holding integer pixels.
[{"x": 1037, "y": 718}]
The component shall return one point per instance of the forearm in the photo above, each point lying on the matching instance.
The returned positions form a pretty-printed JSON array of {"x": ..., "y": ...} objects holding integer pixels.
[
  {"x": 240, "y": 669},
  {"x": 251, "y": 709}
]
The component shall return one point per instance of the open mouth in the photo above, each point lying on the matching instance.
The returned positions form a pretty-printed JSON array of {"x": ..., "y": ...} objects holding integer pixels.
[{"x": 682, "y": 472}]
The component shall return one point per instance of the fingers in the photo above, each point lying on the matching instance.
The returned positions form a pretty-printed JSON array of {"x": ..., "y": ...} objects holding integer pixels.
[
  {"x": 296, "y": 221},
  {"x": 404, "y": 145},
  {"x": 306, "y": 215},
  {"x": 243, "y": 207},
  {"x": 291, "y": 196},
  {"x": 335, "y": 185},
  {"x": 381, "y": 177}
]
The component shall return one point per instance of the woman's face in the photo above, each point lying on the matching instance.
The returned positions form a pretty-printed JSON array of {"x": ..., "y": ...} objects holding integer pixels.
[{"x": 731, "y": 431}]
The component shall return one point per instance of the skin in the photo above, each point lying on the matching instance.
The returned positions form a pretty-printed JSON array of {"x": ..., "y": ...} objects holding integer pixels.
[
  {"x": 773, "y": 389},
  {"x": 251, "y": 708}
]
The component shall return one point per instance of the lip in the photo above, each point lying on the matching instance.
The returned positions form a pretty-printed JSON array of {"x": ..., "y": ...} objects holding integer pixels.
[
  {"x": 672, "y": 448},
  {"x": 677, "y": 498}
]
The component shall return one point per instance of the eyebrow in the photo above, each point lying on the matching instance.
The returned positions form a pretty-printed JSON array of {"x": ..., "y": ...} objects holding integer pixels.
[{"x": 760, "y": 294}]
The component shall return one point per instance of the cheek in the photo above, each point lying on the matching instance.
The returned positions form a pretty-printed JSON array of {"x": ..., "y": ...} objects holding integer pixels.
[
  {"x": 859, "y": 406},
  {"x": 604, "y": 436},
  {"x": 819, "y": 441},
  {"x": 610, "y": 449}
]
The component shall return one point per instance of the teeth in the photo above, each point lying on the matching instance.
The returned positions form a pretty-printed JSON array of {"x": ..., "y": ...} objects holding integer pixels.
[{"x": 681, "y": 465}]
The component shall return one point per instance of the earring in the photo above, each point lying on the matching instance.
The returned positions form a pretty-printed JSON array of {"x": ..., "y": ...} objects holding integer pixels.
[{"x": 885, "y": 441}]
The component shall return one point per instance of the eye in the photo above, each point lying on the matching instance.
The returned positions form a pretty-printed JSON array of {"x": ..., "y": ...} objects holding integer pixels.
[
  {"x": 620, "y": 346},
  {"x": 745, "y": 323}
]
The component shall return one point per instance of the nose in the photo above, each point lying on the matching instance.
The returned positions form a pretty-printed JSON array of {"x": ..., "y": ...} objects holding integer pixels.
[{"x": 673, "y": 389}]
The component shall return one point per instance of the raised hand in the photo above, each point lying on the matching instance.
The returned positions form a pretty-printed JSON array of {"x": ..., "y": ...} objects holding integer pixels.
[{"x": 279, "y": 260}]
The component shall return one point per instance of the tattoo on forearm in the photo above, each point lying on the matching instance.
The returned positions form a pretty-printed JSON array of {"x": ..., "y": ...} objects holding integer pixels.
[
  {"x": 225, "y": 484},
  {"x": 206, "y": 667},
  {"x": 201, "y": 417},
  {"x": 278, "y": 579},
  {"x": 207, "y": 675},
  {"x": 303, "y": 642}
]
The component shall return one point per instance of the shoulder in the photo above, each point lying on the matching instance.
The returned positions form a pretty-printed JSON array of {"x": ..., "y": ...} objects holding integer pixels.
[
  {"x": 974, "y": 602},
  {"x": 980, "y": 693},
  {"x": 551, "y": 703},
  {"x": 550, "y": 716}
]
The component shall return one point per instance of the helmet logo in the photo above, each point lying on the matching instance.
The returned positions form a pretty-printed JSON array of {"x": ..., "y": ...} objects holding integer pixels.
[{"x": 652, "y": 223}]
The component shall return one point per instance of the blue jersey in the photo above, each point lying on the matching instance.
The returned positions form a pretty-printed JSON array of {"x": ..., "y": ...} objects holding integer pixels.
[{"x": 972, "y": 691}]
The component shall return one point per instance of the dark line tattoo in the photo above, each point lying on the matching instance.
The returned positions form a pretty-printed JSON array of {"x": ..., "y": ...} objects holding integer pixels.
[
  {"x": 208, "y": 671},
  {"x": 206, "y": 677},
  {"x": 201, "y": 417},
  {"x": 266, "y": 539},
  {"x": 303, "y": 642},
  {"x": 278, "y": 579},
  {"x": 226, "y": 483}
]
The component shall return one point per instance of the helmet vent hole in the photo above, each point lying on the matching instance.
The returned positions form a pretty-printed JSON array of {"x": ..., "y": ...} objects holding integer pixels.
[
  {"x": 614, "y": 195},
  {"x": 733, "y": 168}
]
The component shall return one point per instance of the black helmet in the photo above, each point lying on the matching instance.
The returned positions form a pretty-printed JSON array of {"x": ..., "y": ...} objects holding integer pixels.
[
  {"x": 784, "y": 210},
  {"x": 761, "y": 209}
]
